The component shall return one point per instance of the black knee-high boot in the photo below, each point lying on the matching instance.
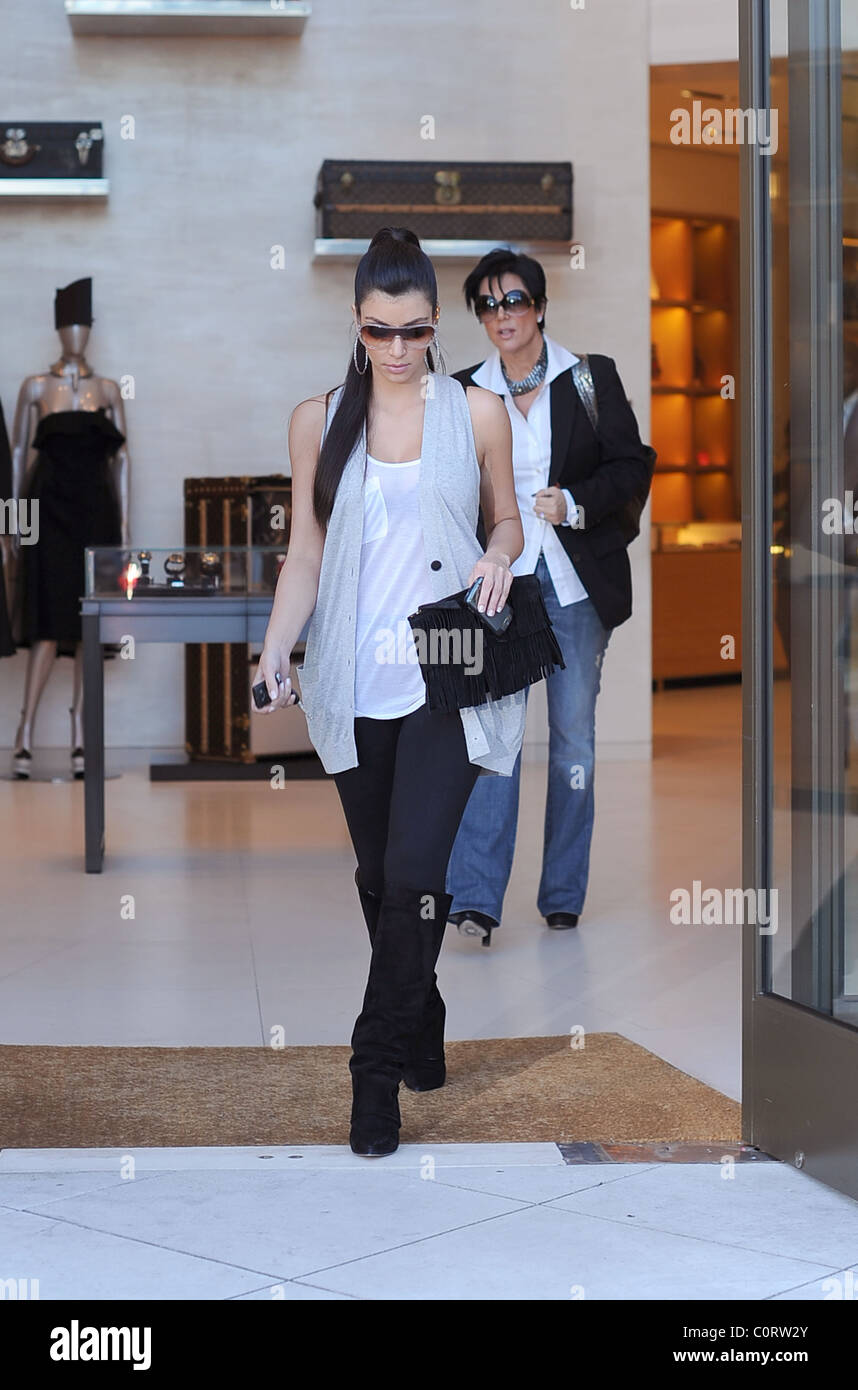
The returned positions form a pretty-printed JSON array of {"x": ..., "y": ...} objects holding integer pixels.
[
  {"x": 426, "y": 1068},
  {"x": 408, "y": 936}
]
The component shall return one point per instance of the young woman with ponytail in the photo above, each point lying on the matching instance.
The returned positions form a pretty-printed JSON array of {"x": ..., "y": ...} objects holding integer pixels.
[{"x": 389, "y": 472}]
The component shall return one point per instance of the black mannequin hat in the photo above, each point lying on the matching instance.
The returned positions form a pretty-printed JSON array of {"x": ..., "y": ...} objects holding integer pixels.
[{"x": 73, "y": 304}]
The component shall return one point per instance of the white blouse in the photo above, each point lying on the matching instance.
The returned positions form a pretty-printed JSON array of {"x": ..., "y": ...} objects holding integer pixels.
[
  {"x": 531, "y": 458},
  {"x": 394, "y": 580}
]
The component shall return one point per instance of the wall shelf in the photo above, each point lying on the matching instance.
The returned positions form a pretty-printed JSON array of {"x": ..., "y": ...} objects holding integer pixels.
[
  {"x": 180, "y": 18},
  {"x": 54, "y": 188},
  {"x": 341, "y": 249},
  {"x": 696, "y": 306},
  {"x": 697, "y": 556},
  {"x": 686, "y": 390},
  {"x": 694, "y": 469},
  {"x": 694, "y": 349}
]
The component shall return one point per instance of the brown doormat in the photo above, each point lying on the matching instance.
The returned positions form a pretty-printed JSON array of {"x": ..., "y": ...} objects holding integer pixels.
[{"x": 502, "y": 1090}]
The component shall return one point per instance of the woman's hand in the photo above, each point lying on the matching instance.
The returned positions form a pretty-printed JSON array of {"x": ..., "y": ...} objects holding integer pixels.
[
  {"x": 550, "y": 505},
  {"x": 497, "y": 578},
  {"x": 273, "y": 661}
]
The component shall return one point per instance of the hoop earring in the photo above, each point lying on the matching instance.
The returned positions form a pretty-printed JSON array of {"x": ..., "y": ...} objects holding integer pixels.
[{"x": 360, "y": 371}]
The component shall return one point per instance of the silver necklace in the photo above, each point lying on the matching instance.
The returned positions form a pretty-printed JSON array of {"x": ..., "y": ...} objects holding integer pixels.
[{"x": 534, "y": 378}]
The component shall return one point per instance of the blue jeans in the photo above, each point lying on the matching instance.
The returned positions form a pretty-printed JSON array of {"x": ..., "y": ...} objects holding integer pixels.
[{"x": 481, "y": 861}]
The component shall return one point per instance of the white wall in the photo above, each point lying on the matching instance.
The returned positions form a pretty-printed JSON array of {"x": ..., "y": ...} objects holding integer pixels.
[
  {"x": 694, "y": 31},
  {"x": 707, "y": 31},
  {"x": 229, "y": 137}
]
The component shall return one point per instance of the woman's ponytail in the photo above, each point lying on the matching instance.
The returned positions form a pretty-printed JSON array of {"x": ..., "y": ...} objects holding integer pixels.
[{"x": 394, "y": 263}]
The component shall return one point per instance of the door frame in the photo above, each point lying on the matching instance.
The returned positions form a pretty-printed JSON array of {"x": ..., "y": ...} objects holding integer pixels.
[{"x": 799, "y": 1066}]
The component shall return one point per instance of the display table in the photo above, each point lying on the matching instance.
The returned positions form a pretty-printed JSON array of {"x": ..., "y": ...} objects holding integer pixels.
[
  {"x": 221, "y": 617},
  {"x": 696, "y": 602}
]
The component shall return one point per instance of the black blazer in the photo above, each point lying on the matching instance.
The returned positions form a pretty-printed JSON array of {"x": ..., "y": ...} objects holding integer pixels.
[{"x": 602, "y": 474}]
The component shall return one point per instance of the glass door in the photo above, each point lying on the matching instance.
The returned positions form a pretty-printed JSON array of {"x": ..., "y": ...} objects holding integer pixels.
[{"x": 799, "y": 66}]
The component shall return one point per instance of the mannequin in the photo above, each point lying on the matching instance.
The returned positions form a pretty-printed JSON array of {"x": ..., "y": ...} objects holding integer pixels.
[{"x": 80, "y": 477}]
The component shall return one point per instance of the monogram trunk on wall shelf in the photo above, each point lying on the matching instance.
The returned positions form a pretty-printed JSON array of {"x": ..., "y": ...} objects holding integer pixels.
[
  {"x": 232, "y": 511},
  {"x": 455, "y": 207},
  {"x": 53, "y": 159}
]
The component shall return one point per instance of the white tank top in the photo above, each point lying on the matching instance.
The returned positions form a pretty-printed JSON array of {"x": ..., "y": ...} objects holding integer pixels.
[{"x": 394, "y": 579}]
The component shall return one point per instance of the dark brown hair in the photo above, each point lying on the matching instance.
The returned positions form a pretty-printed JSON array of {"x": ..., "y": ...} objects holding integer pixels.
[{"x": 394, "y": 263}]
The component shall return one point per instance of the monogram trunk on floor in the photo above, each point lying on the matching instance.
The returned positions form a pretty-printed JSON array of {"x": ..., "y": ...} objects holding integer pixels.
[{"x": 407, "y": 941}]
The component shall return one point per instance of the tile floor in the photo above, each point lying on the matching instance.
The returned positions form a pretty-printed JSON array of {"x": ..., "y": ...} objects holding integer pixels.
[
  {"x": 227, "y": 909},
  {"x": 479, "y": 1221},
  {"x": 245, "y": 915}
]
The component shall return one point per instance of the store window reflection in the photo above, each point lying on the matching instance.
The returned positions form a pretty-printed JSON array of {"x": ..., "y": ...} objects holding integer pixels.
[{"x": 813, "y": 958}]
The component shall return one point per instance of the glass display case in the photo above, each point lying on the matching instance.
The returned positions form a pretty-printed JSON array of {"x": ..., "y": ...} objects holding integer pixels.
[
  {"x": 193, "y": 571},
  {"x": 696, "y": 535}
]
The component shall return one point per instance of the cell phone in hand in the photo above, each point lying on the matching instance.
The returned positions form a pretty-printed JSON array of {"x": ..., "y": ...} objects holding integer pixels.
[
  {"x": 261, "y": 698},
  {"x": 498, "y": 622}
]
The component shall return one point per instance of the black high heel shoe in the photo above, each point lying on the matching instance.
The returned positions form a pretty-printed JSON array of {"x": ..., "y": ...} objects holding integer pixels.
[
  {"x": 77, "y": 755},
  {"x": 22, "y": 764},
  {"x": 426, "y": 1067},
  {"x": 475, "y": 924}
]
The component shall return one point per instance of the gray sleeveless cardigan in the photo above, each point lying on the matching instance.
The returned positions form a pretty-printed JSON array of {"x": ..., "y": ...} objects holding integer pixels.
[{"x": 449, "y": 487}]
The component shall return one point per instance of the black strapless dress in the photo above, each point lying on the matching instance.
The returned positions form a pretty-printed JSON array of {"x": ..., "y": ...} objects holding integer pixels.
[
  {"x": 7, "y": 643},
  {"x": 78, "y": 506}
]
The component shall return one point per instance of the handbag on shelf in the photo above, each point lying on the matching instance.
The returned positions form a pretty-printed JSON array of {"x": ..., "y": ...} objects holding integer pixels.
[{"x": 464, "y": 663}]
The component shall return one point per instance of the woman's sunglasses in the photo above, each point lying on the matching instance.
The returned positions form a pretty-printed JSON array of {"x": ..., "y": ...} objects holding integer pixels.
[
  {"x": 374, "y": 334},
  {"x": 513, "y": 302}
]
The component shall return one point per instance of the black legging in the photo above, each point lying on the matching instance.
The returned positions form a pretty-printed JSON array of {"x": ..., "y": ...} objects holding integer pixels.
[{"x": 404, "y": 801}]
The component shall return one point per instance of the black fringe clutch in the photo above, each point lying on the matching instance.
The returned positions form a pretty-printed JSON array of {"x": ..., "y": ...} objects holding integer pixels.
[{"x": 464, "y": 663}]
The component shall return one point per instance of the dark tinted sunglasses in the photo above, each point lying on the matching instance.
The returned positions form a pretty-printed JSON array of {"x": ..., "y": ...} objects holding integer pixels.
[
  {"x": 372, "y": 334},
  {"x": 513, "y": 302}
]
